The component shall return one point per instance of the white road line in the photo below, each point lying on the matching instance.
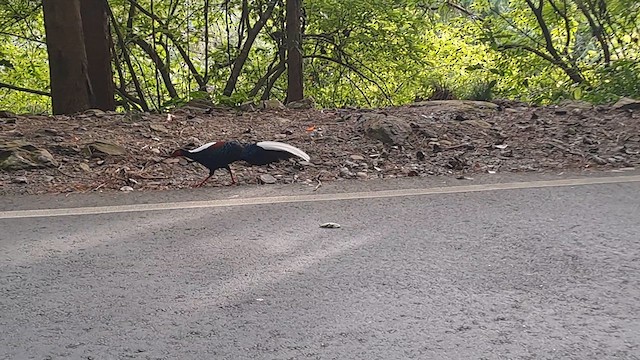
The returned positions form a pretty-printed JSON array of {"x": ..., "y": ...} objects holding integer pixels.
[{"x": 17, "y": 214}]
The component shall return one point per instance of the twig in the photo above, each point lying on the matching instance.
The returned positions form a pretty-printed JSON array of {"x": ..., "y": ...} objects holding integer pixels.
[
  {"x": 20, "y": 88},
  {"x": 73, "y": 176},
  {"x": 140, "y": 176},
  {"x": 560, "y": 145},
  {"x": 319, "y": 183},
  {"x": 454, "y": 147}
]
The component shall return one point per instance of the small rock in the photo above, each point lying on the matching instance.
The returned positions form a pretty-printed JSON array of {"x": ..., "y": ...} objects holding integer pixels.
[
  {"x": 99, "y": 148},
  {"x": 155, "y": 151},
  {"x": 95, "y": 112},
  {"x": 20, "y": 180},
  {"x": 171, "y": 160},
  {"x": 48, "y": 178},
  {"x": 281, "y": 120},
  {"x": 357, "y": 157},
  {"x": 272, "y": 104},
  {"x": 346, "y": 173},
  {"x": 159, "y": 128},
  {"x": 420, "y": 155},
  {"x": 193, "y": 140},
  {"x": 390, "y": 130},
  {"x": 362, "y": 174},
  {"x": 506, "y": 152},
  {"x": 457, "y": 163},
  {"x": 479, "y": 123},
  {"x": 350, "y": 164},
  {"x": 306, "y": 103},
  {"x": 247, "y": 106},
  {"x": 267, "y": 179},
  {"x": 126, "y": 188},
  {"x": 626, "y": 103},
  {"x": 330, "y": 225},
  {"x": 598, "y": 160},
  {"x": 280, "y": 136},
  {"x": 85, "y": 167},
  {"x": 17, "y": 155}
]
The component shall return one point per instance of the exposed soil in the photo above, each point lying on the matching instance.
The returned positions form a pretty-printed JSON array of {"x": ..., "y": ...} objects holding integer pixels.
[{"x": 457, "y": 138}]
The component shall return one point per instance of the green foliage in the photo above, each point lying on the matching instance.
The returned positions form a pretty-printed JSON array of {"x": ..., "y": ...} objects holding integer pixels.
[
  {"x": 481, "y": 90},
  {"x": 356, "y": 53},
  {"x": 621, "y": 78},
  {"x": 23, "y": 56},
  {"x": 231, "y": 101}
]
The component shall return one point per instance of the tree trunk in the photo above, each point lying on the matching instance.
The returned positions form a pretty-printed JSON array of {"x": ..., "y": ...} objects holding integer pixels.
[
  {"x": 295, "y": 90},
  {"x": 97, "y": 41},
  {"x": 70, "y": 86}
]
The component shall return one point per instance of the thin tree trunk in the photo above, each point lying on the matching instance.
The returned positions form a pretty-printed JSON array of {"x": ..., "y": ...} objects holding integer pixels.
[
  {"x": 295, "y": 90},
  {"x": 246, "y": 47},
  {"x": 272, "y": 81},
  {"x": 199, "y": 79},
  {"x": 70, "y": 85},
  {"x": 160, "y": 65},
  {"x": 568, "y": 67},
  {"x": 97, "y": 41},
  {"x": 127, "y": 60}
]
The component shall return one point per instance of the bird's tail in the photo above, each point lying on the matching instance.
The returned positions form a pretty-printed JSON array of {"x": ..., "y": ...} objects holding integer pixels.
[{"x": 278, "y": 146}]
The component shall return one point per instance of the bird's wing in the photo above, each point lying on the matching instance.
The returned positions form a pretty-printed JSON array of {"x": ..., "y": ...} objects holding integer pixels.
[
  {"x": 278, "y": 146},
  {"x": 205, "y": 146}
]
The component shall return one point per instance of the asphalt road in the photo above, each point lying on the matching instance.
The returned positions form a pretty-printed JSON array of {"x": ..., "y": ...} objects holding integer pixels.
[{"x": 494, "y": 273}]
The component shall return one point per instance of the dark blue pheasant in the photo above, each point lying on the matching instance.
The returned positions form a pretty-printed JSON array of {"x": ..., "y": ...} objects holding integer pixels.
[{"x": 219, "y": 154}]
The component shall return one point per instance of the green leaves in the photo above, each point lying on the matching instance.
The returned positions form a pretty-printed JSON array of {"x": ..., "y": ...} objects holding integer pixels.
[{"x": 356, "y": 53}]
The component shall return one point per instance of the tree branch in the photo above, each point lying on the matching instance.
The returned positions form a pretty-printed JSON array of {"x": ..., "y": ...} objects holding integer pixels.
[
  {"x": 127, "y": 60},
  {"x": 165, "y": 29},
  {"x": 164, "y": 72},
  {"x": 246, "y": 47},
  {"x": 352, "y": 68},
  {"x": 22, "y": 89}
]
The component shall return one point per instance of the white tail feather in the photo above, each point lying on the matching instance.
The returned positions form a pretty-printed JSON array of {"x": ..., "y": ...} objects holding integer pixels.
[
  {"x": 202, "y": 147},
  {"x": 278, "y": 146}
]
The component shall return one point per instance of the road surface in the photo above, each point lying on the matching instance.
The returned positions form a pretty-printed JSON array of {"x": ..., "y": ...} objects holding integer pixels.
[{"x": 513, "y": 270}]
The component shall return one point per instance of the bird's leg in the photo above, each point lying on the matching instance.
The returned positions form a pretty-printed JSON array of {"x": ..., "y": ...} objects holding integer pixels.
[
  {"x": 233, "y": 180},
  {"x": 205, "y": 180}
]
